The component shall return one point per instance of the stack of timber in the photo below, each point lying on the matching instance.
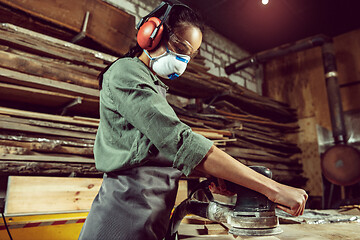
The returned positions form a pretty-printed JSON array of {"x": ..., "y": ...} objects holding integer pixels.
[
  {"x": 34, "y": 143},
  {"x": 49, "y": 110}
]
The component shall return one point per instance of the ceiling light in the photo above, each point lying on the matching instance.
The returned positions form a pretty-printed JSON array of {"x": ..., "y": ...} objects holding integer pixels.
[{"x": 264, "y": 2}]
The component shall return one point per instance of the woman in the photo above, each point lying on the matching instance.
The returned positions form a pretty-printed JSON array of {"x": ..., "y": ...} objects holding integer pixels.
[{"x": 143, "y": 147}]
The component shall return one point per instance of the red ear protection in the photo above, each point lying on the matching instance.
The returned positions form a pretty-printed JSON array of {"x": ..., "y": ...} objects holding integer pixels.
[{"x": 143, "y": 36}]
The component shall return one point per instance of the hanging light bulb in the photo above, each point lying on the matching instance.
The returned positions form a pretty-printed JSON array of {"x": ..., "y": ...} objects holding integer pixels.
[{"x": 264, "y": 2}]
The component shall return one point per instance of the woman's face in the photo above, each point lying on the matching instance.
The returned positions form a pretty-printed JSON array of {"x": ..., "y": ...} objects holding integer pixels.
[{"x": 185, "y": 39}]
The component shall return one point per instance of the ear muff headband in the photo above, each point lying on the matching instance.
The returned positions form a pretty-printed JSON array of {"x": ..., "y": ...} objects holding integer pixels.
[{"x": 151, "y": 28}]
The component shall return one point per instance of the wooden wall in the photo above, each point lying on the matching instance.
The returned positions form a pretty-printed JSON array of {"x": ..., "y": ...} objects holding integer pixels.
[{"x": 298, "y": 79}]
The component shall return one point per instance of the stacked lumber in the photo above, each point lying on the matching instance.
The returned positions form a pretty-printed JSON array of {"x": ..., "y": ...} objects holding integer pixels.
[
  {"x": 254, "y": 141},
  {"x": 221, "y": 92},
  {"x": 44, "y": 144},
  {"x": 49, "y": 111},
  {"x": 40, "y": 143}
]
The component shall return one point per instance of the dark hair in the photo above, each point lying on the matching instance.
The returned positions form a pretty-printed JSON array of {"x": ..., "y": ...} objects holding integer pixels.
[{"x": 179, "y": 15}]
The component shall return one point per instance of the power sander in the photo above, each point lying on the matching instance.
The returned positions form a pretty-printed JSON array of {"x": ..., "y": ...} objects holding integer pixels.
[{"x": 252, "y": 215}]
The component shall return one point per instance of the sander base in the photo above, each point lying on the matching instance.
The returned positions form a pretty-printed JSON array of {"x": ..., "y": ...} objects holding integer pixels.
[
  {"x": 262, "y": 223},
  {"x": 255, "y": 231}
]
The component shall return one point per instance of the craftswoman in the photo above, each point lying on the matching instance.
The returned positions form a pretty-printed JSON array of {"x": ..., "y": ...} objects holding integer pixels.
[{"x": 144, "y": 148}]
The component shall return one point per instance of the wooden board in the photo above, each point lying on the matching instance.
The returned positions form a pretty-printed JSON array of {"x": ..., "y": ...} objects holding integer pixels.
[
  {"x": 45, "y": 158},
  {"x": 43, "y": 116},
  {"x": 22, "y": 79},
  {"x": 182, "y": 192},
  {"x": 52, "y": 100},
  {"x": 44, "y": 45},
  {"x": 46, "y": 68},
  {"x": 310, "y": 156},
  {"x": 107, "y": 25},
  {"x": 347, "y": 48},
  {"x": 49, "y": 194}
]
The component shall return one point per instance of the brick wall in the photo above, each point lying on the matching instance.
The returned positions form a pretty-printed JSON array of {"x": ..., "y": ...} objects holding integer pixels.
[{"x": 217, "y": 50}]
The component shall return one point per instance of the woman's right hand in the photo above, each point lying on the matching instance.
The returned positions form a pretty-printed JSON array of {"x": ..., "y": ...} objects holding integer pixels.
[
  {"x": 289, "y": 199},
  {"x": 219, "y": 164}
]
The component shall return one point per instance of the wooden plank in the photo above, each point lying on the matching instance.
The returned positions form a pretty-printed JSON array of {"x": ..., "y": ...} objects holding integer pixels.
[
  {"x": 44, "y": 45},
  {"x": 215, "y": 229},
  {"x": 22, "y": 79},
  {"x": 49, "y": 147},
  {"x": 20, "y": 96},
  {"x": 308, "y": 142},
  {"x": 347, "y": 50},
  {"x": 49, "y": 117},
  {"x": 50, "y": 194},
  {"x": 199, "y": 122},
  {"x": 74, "y": 67},
  {"x": 54, "y": 71},
  {"x": 10, "y": 92},
  {"x": 182, "y": 192},
  {"x": 222, "y": 132},
  {"x": 210, "y": 135},
  {"x": 57, "y": 169},
  {"x": 108, "y": 25},
  {"x": 46, "y": 158},
  {"x": 64, "y": 49},
  {"x": 20, "y": 127},
  {"x": 237, "y": 153},
  {"x": 48, "y": 124}
]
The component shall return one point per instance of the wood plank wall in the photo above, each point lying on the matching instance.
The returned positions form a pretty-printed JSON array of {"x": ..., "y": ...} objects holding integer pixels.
[{"x": 298, "y": 79}]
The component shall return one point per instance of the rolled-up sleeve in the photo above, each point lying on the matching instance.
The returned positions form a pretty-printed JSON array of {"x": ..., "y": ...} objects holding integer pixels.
[{"x": 137, "y": 100}]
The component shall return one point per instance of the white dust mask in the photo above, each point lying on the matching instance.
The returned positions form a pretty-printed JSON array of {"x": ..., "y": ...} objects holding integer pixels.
[{"x": 169, "y": 64}]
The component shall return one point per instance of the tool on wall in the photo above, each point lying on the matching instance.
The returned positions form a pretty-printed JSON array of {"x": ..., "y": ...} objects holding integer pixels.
[{"x": 252, "y": 215}]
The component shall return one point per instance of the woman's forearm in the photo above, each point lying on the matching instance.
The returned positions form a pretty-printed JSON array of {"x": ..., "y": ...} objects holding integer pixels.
[{"x": 219, "y": 164}]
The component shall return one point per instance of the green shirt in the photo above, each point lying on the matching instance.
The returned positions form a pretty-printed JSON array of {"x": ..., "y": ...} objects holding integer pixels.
[{"x": 136, "y": 122}]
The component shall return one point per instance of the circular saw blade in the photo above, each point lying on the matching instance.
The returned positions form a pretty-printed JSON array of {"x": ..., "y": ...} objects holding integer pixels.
[{"x": 341, "y": 165}]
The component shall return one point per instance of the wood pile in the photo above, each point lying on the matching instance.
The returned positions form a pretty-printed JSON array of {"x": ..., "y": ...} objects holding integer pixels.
[{"x": 49, "y": 111}]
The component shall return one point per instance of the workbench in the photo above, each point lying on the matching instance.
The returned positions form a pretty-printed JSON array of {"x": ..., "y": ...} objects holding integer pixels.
[
  {"x": 314, "y": 224},
  {"x": 332, "y": 231}
]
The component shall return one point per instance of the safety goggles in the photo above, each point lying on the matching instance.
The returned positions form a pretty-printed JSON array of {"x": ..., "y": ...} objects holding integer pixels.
[{"x": 181, "y": 46}]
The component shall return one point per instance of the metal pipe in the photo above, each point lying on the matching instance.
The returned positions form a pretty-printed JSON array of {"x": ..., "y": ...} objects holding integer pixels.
[
  {"x": 285, "y": 49},
  {"x": 333, "y": 92}
]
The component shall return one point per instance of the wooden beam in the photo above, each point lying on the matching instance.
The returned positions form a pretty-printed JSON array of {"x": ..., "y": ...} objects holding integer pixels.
[
  {"x": 42, "y": 45},
  {"x": 48, "y": 169},
  {"x": 44, "y": 130},
  {"x": 22, "y": 79},
  {"x": 54, "y": 101},
  {"x": 49, "y": 147},
  {"x": 47, "y": 124},
  {"x": 49, "y": 117},
  {"x": 51, "y": 70},
  {"x": 45, "y": 158},
  {"x": 108, "y": 25}
]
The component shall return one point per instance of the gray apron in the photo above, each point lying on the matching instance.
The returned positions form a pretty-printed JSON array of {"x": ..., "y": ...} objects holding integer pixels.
[{"x": 134, "y": 204}]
